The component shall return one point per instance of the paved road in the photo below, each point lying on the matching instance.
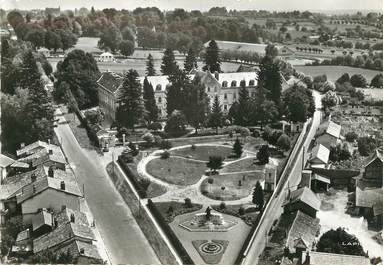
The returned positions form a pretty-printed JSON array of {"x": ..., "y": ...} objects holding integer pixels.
[
  {"x": 274, "y": 210},
  {"x": 122, "y": 237}
]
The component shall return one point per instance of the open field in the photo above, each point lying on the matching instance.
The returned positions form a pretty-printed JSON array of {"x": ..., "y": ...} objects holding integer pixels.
[
  {"x": 203, "y": 152},
  {"x": 176, "y": 170},
  {"x": 334, "y": 72}
]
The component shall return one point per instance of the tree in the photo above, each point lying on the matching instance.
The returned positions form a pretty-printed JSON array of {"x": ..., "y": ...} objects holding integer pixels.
[
  {"x": 29, "y": 71},
  {"x": 340, "y": 242},
  {"x": 263, "y": 154},
  {"x": 78, "y": 73},
  {"x": 298, "y": 102},
  {"x": 258, "y": 196},
  {"x": 270, "y": 79},
  {"x": 351, "y": 137},
  {"x": 175, "y": 92},
  {"x": 344, "y": 78},
  {"x": 36, "y": 37},
  {"x": 176, "y": 123},
  {"x": 52, "y": 40},
  {"x": 150, "y": 102},
  {"x": 169, "y": 65},
  {"x": 284, "y": 142},
  {"x": 242, "y": 110},
  {"x": 216, "y": 118},
  {"x": 215, "y": 163},
  {"x": 126, "y": 47},
  {"x": 377, "y": 81},
  {"x": 190, "y": 60},
  {"x": 68, "y": 39},
  {"x": 330, "y": 99},
  {"x": 131, "y": 109},
  {"x": 358, "y": 80},
  {"x": 237, "y": 148},
  {"x": 150, "y": 71},
  {"x": 110, "y": 38},
  {"x": 339, "y": 153},
  {"x": 212, "y": 60},
  {"x": 366, "y": 145}
]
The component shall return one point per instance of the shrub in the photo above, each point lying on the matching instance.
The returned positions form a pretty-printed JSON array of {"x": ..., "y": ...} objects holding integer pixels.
[
  {"x": 193, "y": 147},
  {"x": 377, "y": 81},
  {"x": 133, "y": 148},
  {"x": 210, "y": 180},
  {"x": 165, "y": 155},
  {"x": 155, "y": 126},
  {"x": 165, "y": 144},
  {"x": 188, "y": 203},
  {"x": 358, "y": 80},
  {"x": 263, "y": 154},
  {"x": 148, "y": 138},
  {"x": 222, "y": 206},
  {"x": 284, "y": 142},
  {"x": 170, "y": 210},
  {"x": 351, "y": 137},
  {"x": 241, "y": 211}
]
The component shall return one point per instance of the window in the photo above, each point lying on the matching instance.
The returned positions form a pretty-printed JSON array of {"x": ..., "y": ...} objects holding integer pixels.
[
  {"x": 251, "y": 82},
  {"x": 158, "y": 87},
  {"x": 208, "y": 89},
  {"x": 225, "y": 96},
  {"x": 224, "y": 84},
  {"x": 234, "y": 83},
  {"x": 159, "y": 100},
  {"x": 242, "y": 83},
  {"x": 225, "y": 107},
  {"x": 235, "y": 96}
]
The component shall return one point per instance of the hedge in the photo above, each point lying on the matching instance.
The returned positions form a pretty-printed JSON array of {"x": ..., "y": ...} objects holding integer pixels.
[
  {"x": 186, "y": 259},
  {"x": 132, "y": 177}
]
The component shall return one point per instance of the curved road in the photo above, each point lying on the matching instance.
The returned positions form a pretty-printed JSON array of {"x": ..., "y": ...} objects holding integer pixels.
[
  {"x": 124, "y": 240},
  {"x": 274, "y": 208}
]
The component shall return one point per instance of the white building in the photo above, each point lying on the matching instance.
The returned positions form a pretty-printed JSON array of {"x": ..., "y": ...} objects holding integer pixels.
[{"x": 106, "y": 57}]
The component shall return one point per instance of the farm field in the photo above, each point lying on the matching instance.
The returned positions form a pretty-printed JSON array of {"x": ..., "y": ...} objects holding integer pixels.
[{"x": 334, "y": 72}]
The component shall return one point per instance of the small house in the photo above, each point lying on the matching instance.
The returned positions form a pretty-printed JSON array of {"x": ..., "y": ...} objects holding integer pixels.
[
  {"x": 328, "y": 134},
  {"x": 5, "y": 163},
  {"x": 302, "y": 199},
  {"x": 319, "y": 156},
  {"x": 106, "y": 57}
]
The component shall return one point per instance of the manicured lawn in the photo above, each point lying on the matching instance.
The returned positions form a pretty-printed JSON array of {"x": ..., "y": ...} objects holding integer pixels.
[
  {"x": 249, "y": 216},
  {"x": 211, "y": 258},
  {"x": 232, "y": 190},
  {"x": 246, "y": 164},
  {"x": 334, "y": 72},
  {"x": 178, "y": 209},
  {"x": 175, "y": 170},
  {"x": 203, "y": 152}
]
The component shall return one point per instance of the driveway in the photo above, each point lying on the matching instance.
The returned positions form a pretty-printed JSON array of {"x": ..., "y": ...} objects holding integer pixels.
[{"x": 125, "y": 242}]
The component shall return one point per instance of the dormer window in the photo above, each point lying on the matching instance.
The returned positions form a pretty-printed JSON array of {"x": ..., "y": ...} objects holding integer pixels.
[
  {"x": 251, "y": 82},
  {"x": 233, "y": 83},
  {"x": 158, "y": 87},
  {"x": 224, "y": 84},
  {"x": 242, "y": 83}
]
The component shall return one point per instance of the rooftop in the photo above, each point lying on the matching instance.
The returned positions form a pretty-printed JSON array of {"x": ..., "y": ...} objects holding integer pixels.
[
  {"x": 34, "y": 147},
  {"x": 78, "y": 248},
  {"x": 41, "y": 218},
  {"x": 322, "y": 258},
  {"x": 369, "y": 198},
  {"x": 330, "y": 128},
  {"x": 305, "y": 195},
  {"x": 320, "y": 152},
  {"x": 5, "y": 161}
]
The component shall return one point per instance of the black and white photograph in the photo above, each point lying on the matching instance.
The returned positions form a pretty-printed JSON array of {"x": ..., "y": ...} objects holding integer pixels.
[{"x": 178, "y": 132}]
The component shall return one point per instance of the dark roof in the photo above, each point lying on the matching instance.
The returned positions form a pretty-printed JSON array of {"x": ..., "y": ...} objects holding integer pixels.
[
  {"x": 41, "y": 218},
  {"x": 305, "y": 195},
  {"x": 323, "y": 258},
  {"x": 110, "y": 81},
  {"x": 79, "y": 248},
  {"x": 33, "y": 147},
  {"x": 42, "y": 156}
]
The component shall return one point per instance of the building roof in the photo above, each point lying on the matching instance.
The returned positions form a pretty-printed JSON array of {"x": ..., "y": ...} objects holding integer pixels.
[
  {"x": 41, "y": 218},
  {"x": 31, "y": 148},
  {"x": 322, "y": 258},
  {"x": 320, "y": 152},
  {"x": 5, "y": 161},
  {"x": 79, "y": 248},
  {"x": 302, "y": 232},
  {"x": 378, "y": 155},
  {"x": 305, "y": 195},
  {"x": 19, "y": 164},
  {"x": 321, "y": 178},
  {"x": 331, "y": 128},
  {"x": 42, "y": 156},
  {"x": 32, "y": 189},
  {"x": 23, "y": 235},
  {"x": 106, "y": 54},
  {"x": 110, "y": 81},
  {"x": 369, "y": 198}
]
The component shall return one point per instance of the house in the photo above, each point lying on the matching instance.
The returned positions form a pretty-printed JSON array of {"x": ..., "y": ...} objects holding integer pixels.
[
  {"x": 23, "y": 244},
  {"x": 328, "y": 134},
  {"x": 270, "y": 173},
  {"x": 369, "y": 191},
  {"x": 106, "y": 57},
  {"x": 5, "y": 163},
  {"x": 50, "y": 193},
  {"x": 70, "y": 233},
  {"x": 302, "y": 234},
  {"x": 42, "y": 222},
  {"x": 106, "y": 138},
  {"x": 319, "y": 157},
  {"x": 323, "y": 258},
  {"x": 302, "y": 199}
]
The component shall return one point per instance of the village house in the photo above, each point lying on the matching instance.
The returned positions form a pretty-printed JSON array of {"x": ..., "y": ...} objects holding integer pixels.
[
  {"x": 314, "y": 181},
  {"x": 328, "y": 134},
  {"x": 302, "y": 199},
  {"x": 270, "y": 173},
  {"x": 323, "y": 258},
  {"x": 106, "y": 57},
  {"x": 369, "y": 191},
  {"x": 5, "y": 163},
  {"x": 319, "y": 157}
]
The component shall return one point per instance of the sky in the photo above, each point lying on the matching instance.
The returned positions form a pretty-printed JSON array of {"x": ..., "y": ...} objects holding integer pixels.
[{"x": 326, "y": 5}]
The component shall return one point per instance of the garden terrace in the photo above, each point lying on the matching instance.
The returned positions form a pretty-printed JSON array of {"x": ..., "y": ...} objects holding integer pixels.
[
  {"x": 175, "y": 170},
  {"x": 178, "y": 208},
  {"x": 226, "y": 187},
  {"x": 203, "y": 152},
  {"x": 250, "y": 214}
]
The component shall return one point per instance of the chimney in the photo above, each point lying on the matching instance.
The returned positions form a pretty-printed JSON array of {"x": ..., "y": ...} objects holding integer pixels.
[
  {"x": 307, "y": 259},
  {"x": 51, "y": 172},
  {"x": 62, "y": 185},
  {"x": 72, "y": 218},
  {"x": 55, "y": 222},
  {"x": 49, "y": 141},
  {"x": 33, "y": 177},
  {"x": 50, "y": 151},
  {"x": 22, "y": 145},
  {"x": 63, "y": 207},
  {"x": 82, "y": 251}
]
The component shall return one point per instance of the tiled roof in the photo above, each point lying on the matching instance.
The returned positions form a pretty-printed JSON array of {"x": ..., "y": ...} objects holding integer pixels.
[
  {"x": 31, "y": 148},
  {"x": 330, "y": 128},
  {"x": 322, "y": 258},
  {"x": 320, "y": 152},
  {"x": 78, "y": 248},
  {"x": 378, "y": 154},
  {"x": 23, "y": 235},
  {"x": 41, "y": 218},
  {"x": 65, "y": 217},
  {"x": 305, "y": 195},
  {"x": 303, "y": 231},
  {"x": 30, "y": 190},
  {"x": 5, "y": 161},
  {"x": 62, "y": 234},
  {"x": 42, "y": 156},
  {"x": 110, "y": 81}
]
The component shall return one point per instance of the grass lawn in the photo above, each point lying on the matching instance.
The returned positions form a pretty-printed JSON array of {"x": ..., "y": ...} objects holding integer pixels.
[
  {"x": 246, "y": 164},
  {"x": 232, "y": 190},
  {"x": 79, "y": 131},
  {"x": 334, "y": 72},
  {"x": 178, "y": 209},
  {"x": 203, "y": 152},
  {"x": 250, "y": 212},
  {"x": 176, "y": 170},
  {"x": 211, "y": 258}
]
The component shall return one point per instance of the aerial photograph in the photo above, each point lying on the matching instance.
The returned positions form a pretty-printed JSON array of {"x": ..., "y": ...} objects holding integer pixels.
[{"x": 178, "y": 132}]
